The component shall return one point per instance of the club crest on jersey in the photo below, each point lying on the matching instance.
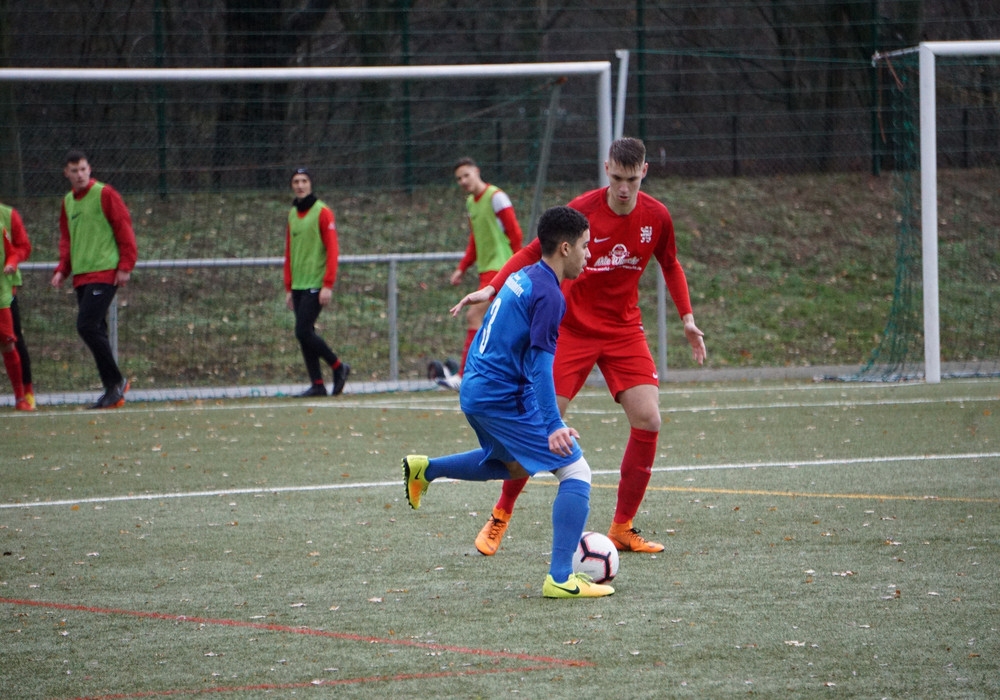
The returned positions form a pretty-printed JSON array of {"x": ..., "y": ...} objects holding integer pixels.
[
  {"x": 618, "y": 256},
  {"x": 645, "y": 234}
]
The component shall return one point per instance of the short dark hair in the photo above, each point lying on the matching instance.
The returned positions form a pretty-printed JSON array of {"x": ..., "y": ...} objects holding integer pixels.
[
  {"x": 628, "y": 152},
  {"x": 75, "y": 155},
  {"x": 560, "y": 224},
  {"x": 464, "y": 161}
]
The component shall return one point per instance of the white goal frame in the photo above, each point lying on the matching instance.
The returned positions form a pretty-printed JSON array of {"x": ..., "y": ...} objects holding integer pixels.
[
  {"x": 600, "y": 70},
  {"x": 928, "y": 51}
]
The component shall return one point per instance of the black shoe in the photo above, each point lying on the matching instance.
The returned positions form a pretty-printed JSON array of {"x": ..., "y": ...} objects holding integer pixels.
[
  {"x": 112, "y": 398},
  {"x": 314, "y": 390},
  {"x": 435, "y": 370},
  {"x": 340, "y": 375},
  {"x": 451, "y": 364}
]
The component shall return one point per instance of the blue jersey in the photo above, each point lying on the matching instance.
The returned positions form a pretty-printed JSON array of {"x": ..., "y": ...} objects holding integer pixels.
[{"x": 525, "y": 314}]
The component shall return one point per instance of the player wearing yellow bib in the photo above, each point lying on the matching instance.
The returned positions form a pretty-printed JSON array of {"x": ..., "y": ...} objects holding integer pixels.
[
  {"x": 494, "y": 235},
  {"x": 97, "y": 248},
  {"x": 311, "y": 258}
]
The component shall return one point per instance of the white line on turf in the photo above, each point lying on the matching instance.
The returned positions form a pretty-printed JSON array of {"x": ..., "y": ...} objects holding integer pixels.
[{"x": 603, "y": 472}]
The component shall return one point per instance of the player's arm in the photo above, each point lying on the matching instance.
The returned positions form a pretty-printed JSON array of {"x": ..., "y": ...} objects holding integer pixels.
[
  {"x": 467, "y": 260},
  {"x": 528, "y": 255},
  {"x": 64, "y": 268},
  {"x": 19, "y": 244},
  {"x": 287, "y": 268},
  {"x": 560, "y": 435},
  {"x": 546, "y": 313},
  {"x": 508, "y": 220},
  {"x": 328, "y": 233},
  {"x": 118, "y": 216},
  {"x": 677, "y": 286}
]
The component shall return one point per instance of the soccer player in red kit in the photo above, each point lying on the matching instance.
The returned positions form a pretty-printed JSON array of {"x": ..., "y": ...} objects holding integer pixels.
[
  {"x": 603, "y": 326},
  {"x": 16, "y": 249}
]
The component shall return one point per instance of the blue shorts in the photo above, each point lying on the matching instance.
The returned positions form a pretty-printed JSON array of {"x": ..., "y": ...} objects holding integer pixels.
[{"x": 519, "y": 438}]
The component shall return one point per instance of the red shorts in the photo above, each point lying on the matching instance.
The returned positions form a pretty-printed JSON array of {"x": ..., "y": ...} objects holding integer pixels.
[
  {"x": 7, "y": 326},
  {"x": 486, "y": 277},
  {"x": 624, "y": 360}
]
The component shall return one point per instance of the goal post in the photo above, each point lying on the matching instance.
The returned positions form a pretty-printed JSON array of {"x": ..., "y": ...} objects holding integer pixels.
[
  {"x": 929, "y": 218},
  {"x": 207, "y": 311},
  {"x": 600, "y": 70},
  {"x": 929, "y": 188}
]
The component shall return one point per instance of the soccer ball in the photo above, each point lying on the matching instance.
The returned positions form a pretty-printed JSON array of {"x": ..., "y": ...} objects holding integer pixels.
[{"x": 597, "y": 557}]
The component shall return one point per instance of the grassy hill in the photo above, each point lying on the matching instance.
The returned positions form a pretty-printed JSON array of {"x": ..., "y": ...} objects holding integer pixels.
[{"x": 784, "y": 271}]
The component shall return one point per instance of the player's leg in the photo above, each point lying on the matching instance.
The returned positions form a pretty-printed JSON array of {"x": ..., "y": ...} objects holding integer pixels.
[
  {"x": 630, "y": 372},
  {"x": 575, "y": 358},
  {"x": 22, "y": 351},
  {"x": 93, "y": 302},
  {"x": 11, "y": 359},
  {"x": 474, "y": 315},
  {"x": 569, "y": 517},
  {"x": 419, "y": 471},
  {"x": 307, "y": 307}
]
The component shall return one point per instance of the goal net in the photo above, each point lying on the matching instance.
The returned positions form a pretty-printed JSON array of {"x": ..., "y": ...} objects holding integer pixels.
[
  {"x": 940, "y": 120},
  {"x": 203, "y": 159}
]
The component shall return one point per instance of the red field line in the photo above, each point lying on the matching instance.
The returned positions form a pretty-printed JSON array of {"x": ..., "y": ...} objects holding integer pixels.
[{"x": 541, "y": 663}]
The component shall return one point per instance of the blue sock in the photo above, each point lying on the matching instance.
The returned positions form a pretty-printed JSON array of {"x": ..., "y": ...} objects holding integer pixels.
[
  {"x": 466, "y": 466},
  {"x": 569, "y": 517}
]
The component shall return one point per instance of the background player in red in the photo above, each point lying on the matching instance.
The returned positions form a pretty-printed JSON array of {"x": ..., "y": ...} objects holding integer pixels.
[
  {"x": 494, "y": 235},
  {"x": 603, "y": 326},
  {"x": 312, "y": 254},
  {"x": 16, "y": 249},
  {"x": 97, "y": 247}
]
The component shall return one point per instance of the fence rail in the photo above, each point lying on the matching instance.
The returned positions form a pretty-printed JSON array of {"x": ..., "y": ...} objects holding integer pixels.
[{"x": 376, "y": 300}]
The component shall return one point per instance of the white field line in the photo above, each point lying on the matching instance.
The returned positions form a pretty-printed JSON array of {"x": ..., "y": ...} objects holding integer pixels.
[
  {"x": 602, "y": 472},
  {"x": 453, "y": 407}
]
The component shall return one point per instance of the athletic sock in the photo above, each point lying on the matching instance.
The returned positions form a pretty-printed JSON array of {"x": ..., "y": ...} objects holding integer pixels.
[
  {"x": 569, "y": 516},
  {"x": 12, "y": 363},
  {"x": 470, "y": 333},
  {"x": 508, "y": 494},
  {"x": 466, "y": 466},
  {"x": 636, "y": 470}
]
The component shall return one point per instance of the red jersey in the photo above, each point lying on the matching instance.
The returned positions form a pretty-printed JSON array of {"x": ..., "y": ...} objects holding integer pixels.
[{"x": 605, "y": 297}]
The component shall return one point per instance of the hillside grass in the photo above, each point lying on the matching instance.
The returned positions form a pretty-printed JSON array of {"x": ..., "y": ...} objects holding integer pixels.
[{"x": 783, "y": 271}]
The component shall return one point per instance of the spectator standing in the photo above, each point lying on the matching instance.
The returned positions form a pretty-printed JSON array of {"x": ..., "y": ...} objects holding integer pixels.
[
  {"x": 97, "y": 247},
  {"x": 311, "y": 258}
]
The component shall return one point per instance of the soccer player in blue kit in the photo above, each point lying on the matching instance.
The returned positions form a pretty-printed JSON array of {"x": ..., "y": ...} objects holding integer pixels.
[{"x": 509, "y": 399}]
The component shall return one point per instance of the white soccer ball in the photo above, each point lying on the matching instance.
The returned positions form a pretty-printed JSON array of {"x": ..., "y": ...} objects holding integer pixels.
[{"x": 597, "y": 557}]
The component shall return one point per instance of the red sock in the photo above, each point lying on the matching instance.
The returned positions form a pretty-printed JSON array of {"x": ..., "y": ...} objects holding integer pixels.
[
  {"x": 12, "y": 362},
  {"x": 636, "y": 470},
  {"x": 508, "y": 494},
  {"x": 470, "y": 333}
]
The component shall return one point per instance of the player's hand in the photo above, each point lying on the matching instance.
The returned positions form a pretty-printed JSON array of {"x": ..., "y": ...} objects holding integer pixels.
[
  {"x": 477, "y": 297},
  {"x": 695, "y": 338},
  {"x": 288, "y": 301},
  {"x": 325, "y": 295},
  {"x": 122, "y": 277},
  {"x": 57, "y": 280},
  {"x": 456, "y": 277},
  {"x": 9, "y": 269},
  {"x": 561, "y": 441}
]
